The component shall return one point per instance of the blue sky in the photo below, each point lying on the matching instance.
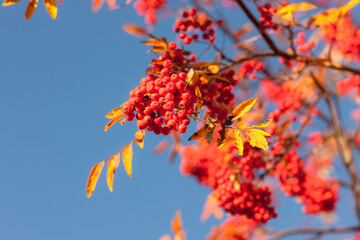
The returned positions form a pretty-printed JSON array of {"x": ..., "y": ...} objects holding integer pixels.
[{"x": 58, "y": 79}]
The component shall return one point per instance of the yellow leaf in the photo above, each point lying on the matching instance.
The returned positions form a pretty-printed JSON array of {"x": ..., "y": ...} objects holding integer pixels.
[
  {"x": 243, "y": 108},
  {"x": 208, "y": 64},
  {"x": 51, "y": 8},
  {"x": 256, "y": 138},
  {"x": 139, "y": 138},
  {"x": 261, "y": 125},
  {"x": 127, "y": 153},
  {"x": 113, "y": 164},
  {"x": 202, "y": 131},
  {"x": 114, "y": 113},
  {"x": 30, "y": 9},
  {"x": 344, "y": 9},
  {"x": 198, "y": 104},
  {"x": 112, "y": 122},
  {"x": 287, "y": 11},
  {"x": 192, "y": 77},
  {"x": 134, "y": 29},
  {"x": 10, "y": 2},
  {"x": 93, "y": 178},
  {"x": 238, "y": 142},
  {"x": 214, "y": 69}
]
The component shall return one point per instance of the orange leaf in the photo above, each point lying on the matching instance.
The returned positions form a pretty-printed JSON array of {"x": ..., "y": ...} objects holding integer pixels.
[
  {"x": 161, "y": 147},
  {"x": 114, "y": 113},
  {"x": 166, "y": 237},
  {"x": 113, "y": 164},
  {"x": 211, "y": 207},
  {"x": 139, "y": 138},
  {"x": 10, "y": 2},
  {"x": 134, "y": 29},
  {"x": 96, "y": 5},
  {"x": 93, "y": 178},
  {"x": 127, "y": 153},
  {"x": 30, "y": 9},
  {"x": 177, "y": 228},
  {"x": 51, "y": 7},
  {"x": 112, "y": 122},
  {"x": 61, "y": 2},
  {"x": 112, "y": 4}
]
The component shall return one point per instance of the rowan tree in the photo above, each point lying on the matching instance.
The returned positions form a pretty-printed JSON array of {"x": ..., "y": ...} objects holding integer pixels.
[{"x": 266, "y": 101}]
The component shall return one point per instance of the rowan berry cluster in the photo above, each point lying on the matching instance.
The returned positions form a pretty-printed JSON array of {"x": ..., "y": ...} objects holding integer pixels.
[
  {"x": 344, "y": 37},
  {"x": 232, "y": 187},
  {"x": 148, "y": 8},
  {"x": 164, "y": 102},
  {"x": 316, "y": 193},
  {"x": 218, "y": 94},
  {"x": 344, "y": 86},
  {"x": 266, "y": 15},
  {"x": 302, "y": 45},
  {"x": 249, "y": 67},
  {"x": 234, "y": 228},
  {"x": 198, "y": 24}
]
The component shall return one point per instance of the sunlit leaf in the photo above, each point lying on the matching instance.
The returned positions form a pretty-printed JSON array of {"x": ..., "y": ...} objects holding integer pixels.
[
  {"x": 114, "y": 113},
  {"x": 192, "y": 77},
  {"x": 93, "y": 178},
  {"x": 176, "y": 224},
  {"x": 166, "y": 237},
  {"x": 113, "y": 164},
  {"x": 243, "y": 108},
  {"x": 139, "y": 138},
  {"x": 113, "y": 121},
  {"x": 127, "y": 153},
  {"x": 238, "y": 142},
  {"x": 202, "y": 131},
  {"x": 134, "y": 29},
  {"x": 51, "y": 8},
  {"x": 10, "y": 2},
  {"x": 287, "y": 11},
  {"x": 30, "y": 9},
  {"x": 256, "y": 138}
]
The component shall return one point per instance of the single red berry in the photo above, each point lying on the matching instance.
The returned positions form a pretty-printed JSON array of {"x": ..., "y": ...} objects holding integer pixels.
[
  {"x": 182, "y": 35},
  {"x": 192, "y": 11},
  {"x": 182, "y": 128},
  {"x": 187, "y": 40}
]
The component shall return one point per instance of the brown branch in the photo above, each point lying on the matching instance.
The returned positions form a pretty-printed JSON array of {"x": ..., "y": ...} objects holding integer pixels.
[
  {"x": 345, "y": 150},
  {"x": 266, "y": 37},
  {"x": 318, "y": 231}
]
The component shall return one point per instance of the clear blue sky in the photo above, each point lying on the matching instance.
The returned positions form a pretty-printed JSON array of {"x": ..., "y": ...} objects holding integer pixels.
[{"x": 58, "y": 79}]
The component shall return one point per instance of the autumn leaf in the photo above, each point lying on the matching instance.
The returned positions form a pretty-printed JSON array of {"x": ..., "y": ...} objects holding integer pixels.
[
  {"x": 202, "y": 131},
  {"x": 256, "y": 138},
  {"x": 10, "y": 2},
  {"x": 238, "y": 142},
  {"x": 208, "y": 64},
  {"x": 127, "y": 153},
  {"x": 93, "y": 178},
  {"x": 113, "y": 164},
  {"x": 96, "y": 5},
  {"x": 139, "y": 138},
  {"x": 332, "y": 15},
  {"x": 114, "y": 113},
  {"x": 113, "y": 121},
  {"x": 161, "y": 147},
  {"x": 166, "y": 237},
  {"x": 30, "y": 9},
  {"x": 211, "y": 207},
  {"x": 261, "y": 125},
  {"x": 177, "y": 228},
  {"x": 51, "y": 7},
  {"x": 287, "y": 11},
  {"x": 243, "y": 108},
  {"x": 134, "y": 29},
  {"x": 199, "y": 103},
  {"x": 192, "y": 77}
]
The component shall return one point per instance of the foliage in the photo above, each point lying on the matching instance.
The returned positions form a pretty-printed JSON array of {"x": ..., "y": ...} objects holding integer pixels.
[{"x": 290, "y": 132}]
